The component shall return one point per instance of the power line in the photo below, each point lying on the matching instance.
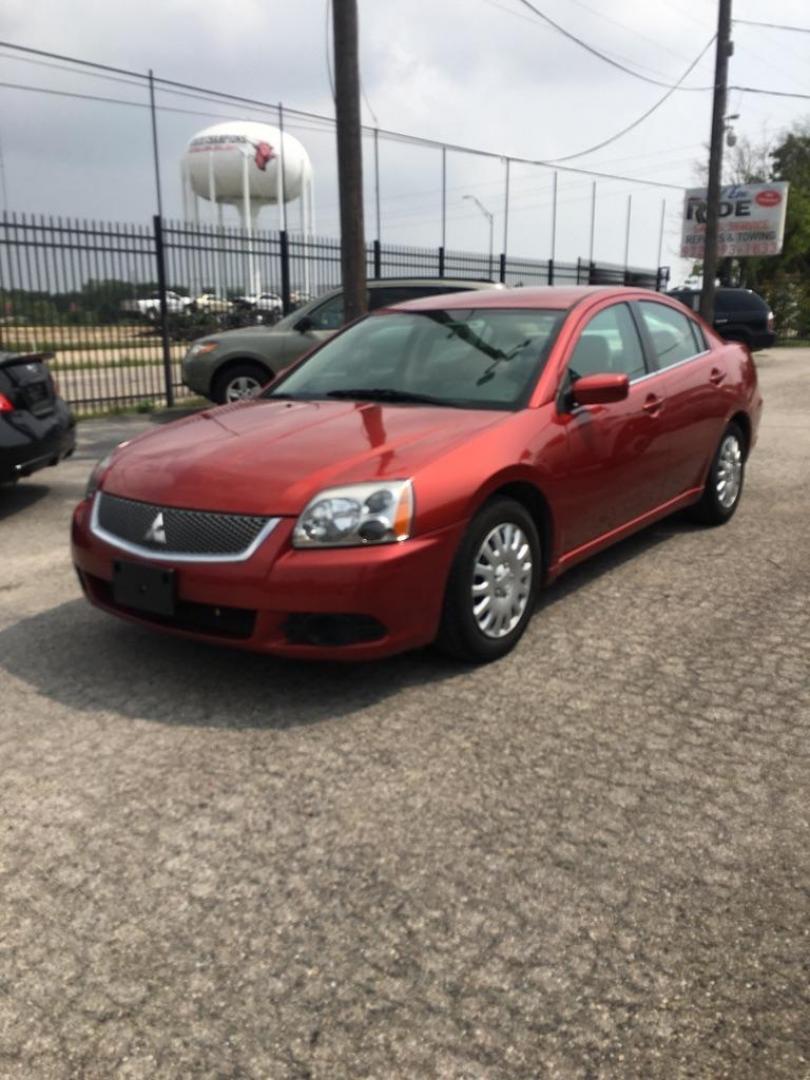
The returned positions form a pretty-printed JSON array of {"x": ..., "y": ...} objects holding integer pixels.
[
  {"x": 774, "y": 26},
  {"x": 303, "y": 115},
  {"x": 602, "y": 56},
  {"x": 649, "y": 112},
  {"x": 615, "y": 56},
  {"x": 770, "y": 93},
  {"x": 122, "y": 101}
]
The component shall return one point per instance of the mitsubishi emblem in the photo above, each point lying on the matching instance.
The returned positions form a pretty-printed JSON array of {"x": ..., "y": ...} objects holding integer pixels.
[{"x": 156, "y": 533}]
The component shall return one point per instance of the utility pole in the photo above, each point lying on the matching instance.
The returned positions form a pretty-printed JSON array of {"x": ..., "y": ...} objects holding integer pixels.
[
  {"x": 350, "y": 158},
  {"x": 724, "y": 49}
]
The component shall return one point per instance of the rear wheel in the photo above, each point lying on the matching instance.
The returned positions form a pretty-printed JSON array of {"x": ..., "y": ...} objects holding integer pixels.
[
  {"x": 238, "y": 382},
  {"x": 493, "y": 584},
  {"x": 724, "y": 484}
]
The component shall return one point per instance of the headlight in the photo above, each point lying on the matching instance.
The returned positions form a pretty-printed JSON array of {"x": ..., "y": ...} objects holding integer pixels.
[
  {"x": 201, "y": 348},
  {"x": 94, "y": 480},
  {"x": 357, "y": 514}
]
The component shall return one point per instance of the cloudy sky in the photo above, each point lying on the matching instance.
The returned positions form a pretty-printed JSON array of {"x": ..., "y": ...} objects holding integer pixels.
[{"x": 479, "y": 73}]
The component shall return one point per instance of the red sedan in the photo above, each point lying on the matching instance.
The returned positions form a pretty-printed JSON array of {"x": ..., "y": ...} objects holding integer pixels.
[{"x": 419, "y": 476}]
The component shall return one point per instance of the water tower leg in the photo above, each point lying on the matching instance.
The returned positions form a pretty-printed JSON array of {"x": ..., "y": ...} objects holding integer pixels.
[
  {"x": 220, "y": 250},
  {"x": 247, "y": 226},
  {"x": 212, "y": 197},
  {"x": 311, "y": 200},
  {"x": 306, "y": 229},
  {"x": 185, "y": 186},
  {"x": 256, "y": 277}
]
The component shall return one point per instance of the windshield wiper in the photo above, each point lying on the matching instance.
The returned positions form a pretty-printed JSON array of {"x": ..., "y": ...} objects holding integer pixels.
[{"x": 366, "y": 393}]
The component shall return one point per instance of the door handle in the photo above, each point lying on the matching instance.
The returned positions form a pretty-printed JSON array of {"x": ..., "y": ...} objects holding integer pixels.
[
  {"x": 652, "y": 404},
  {"x": 716, "y": 376}
]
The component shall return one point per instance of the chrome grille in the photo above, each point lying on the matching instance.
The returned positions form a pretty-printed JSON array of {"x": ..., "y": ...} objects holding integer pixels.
[{"x": 201, "y": 534}]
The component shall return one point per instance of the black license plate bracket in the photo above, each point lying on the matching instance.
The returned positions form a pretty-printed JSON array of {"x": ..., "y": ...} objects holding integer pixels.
[{"x": 144, "y": 588}]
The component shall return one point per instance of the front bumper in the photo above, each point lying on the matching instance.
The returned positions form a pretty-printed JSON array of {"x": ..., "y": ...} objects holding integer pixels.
[
  {"x": 291, "y": 602},
  {"x": 762, "y": 339},
  {"x": 198, "y": 373},
  {"x": 29, "y": 443}
]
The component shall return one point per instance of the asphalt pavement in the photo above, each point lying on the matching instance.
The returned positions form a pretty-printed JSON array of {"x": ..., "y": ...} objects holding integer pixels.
[{"x": 591, "y": 859}]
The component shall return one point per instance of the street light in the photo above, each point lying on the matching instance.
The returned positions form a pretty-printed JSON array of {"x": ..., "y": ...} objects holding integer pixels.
[{"x": 490, "y": 218}]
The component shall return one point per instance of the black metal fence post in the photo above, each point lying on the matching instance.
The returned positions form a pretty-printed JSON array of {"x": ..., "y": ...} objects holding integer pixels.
[
  {"x": 441, "y": 261},
  {"x": 502, "y": 277},
  {"x": 160, "y": 259},
  {"x": 377, "y": 259},
  {"x": 550, "y": 273},
  {"x": 284, "y": 254}
]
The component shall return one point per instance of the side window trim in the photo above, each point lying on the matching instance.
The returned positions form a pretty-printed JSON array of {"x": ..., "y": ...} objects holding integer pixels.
[{"x": 638, "y": 322}]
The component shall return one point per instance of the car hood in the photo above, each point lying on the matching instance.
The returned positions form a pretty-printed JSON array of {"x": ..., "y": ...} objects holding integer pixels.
[{"x": 272, "y": 457}]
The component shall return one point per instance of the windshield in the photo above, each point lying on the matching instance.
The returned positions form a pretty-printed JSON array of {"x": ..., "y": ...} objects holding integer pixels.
[{"x": 473, "y": 358}]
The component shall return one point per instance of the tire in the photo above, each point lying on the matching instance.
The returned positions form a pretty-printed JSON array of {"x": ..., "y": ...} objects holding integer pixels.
[
  {"x": 502, "y": 535},
  {"x": 238, "y": 382},
  {"x": 719, "y": 501}
]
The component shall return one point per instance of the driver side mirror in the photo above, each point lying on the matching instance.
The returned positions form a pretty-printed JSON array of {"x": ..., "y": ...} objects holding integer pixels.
[
  {"x": 600, "y": 389},
  {"x": 304, "y": 325}
]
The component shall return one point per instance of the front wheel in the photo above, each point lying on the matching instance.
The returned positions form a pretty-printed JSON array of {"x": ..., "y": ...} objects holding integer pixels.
[
  {"x": 238, "y": 382},
  {"x": 492, "y": 585},
  {"x": 724, "y": 484}
]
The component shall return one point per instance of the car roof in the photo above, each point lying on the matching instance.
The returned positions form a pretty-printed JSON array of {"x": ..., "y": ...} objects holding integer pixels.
[{"x": 556, "y": 297}]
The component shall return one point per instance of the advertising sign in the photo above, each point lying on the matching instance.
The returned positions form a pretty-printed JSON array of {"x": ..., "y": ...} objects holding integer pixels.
[{"x": 752, "y": 220}]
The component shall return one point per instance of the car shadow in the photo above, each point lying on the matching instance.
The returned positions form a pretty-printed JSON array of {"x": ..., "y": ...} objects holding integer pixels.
[
  {"x": 615, "y": 556},
  {"x": 85, "y": 660},
  {"x": 14, "y": 499}
]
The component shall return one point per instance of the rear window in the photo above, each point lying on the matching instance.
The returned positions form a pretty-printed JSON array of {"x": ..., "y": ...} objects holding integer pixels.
[
  {"x": 387, "y": 296},
  {"x": 738, "y": 300}
]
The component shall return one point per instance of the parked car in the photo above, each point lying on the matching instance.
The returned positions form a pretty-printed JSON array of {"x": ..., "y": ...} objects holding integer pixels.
[
  {"x": 421, "y": 474},
  {"x": 739, "y": 315},
  {"x": 210, "y": 302},
  {"x": 234, "y": 364},
  {"x": 268, "y": 303},
  {"x": 36, "y": 426},
  {"x": 149, "y": 306}
]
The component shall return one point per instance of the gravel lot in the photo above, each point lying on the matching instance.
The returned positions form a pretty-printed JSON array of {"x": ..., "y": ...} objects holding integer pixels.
[{"x": 591, "y": 859}]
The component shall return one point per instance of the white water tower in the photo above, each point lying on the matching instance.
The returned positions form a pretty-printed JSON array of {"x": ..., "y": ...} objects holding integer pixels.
[{"x": 248, "y": 165}]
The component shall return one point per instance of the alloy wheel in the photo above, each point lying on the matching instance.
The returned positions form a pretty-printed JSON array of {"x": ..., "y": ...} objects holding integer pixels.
[{"x": 240, "y": 388}]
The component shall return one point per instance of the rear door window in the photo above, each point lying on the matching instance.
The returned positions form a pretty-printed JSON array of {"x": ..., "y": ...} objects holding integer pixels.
[
  {"x": 329, "y": 316},
  {"x": 670, "y": 333},
  {"x": 387, "y": 295}
]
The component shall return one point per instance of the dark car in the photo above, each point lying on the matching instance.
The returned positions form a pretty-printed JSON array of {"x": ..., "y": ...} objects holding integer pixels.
[
  {"x": 739, "y": 315},
  {"x": 36, "y": 426}
]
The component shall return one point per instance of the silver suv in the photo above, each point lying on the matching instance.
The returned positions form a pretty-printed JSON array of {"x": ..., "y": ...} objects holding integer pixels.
[{"x": 233, "y": 364}]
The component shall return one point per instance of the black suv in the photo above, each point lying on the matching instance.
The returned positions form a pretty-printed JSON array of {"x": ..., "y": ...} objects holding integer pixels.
[
  {"x": 739, "y": 315},
  {"x": 37, "y": 427}
]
